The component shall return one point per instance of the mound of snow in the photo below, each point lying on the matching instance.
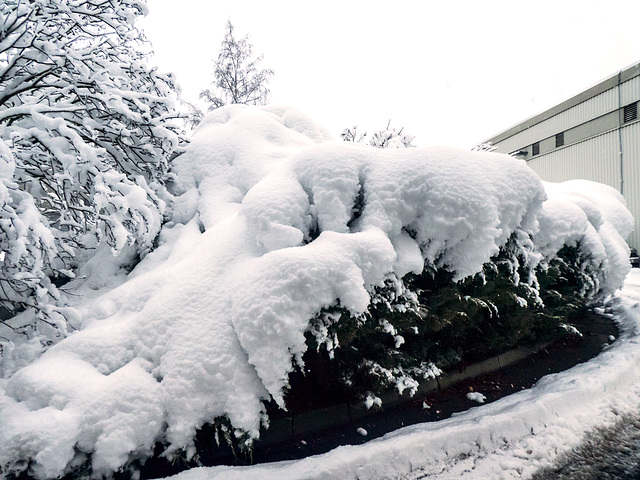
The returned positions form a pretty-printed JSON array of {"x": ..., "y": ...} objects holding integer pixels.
[{"x": 271, "y": 223}]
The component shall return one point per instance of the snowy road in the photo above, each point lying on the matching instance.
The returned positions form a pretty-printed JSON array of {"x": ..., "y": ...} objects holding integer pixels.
[
  {"x": 511, "y": 438},
  {"x": 607, "y": 454}
]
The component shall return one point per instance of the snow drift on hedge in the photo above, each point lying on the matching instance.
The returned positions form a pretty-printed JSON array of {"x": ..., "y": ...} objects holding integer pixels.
[
  {"x": 511, "y": 438},
  {"x": 271, "y": 223}
]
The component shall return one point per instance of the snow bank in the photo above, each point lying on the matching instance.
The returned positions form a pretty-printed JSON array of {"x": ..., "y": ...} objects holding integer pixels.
[{"x": 271, "y": 223}]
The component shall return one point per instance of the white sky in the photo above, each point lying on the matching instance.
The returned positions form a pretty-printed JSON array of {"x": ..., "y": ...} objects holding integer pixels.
[{"x": 449, "y": 72}]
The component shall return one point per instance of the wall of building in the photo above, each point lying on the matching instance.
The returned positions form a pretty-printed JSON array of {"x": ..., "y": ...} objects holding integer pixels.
[
  {"x": 595, "y": 143},
  {"x": 630, "y": 135},
  {"x": 591, "y": 109},
  {"x": 595, "y": 159}
]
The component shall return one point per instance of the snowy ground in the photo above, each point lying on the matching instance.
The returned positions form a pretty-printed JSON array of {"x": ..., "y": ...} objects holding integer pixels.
[{"x": 510, "y": 438}]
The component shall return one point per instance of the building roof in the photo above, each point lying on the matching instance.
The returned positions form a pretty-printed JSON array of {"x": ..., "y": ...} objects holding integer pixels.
[{"x": 608, "y": 83}]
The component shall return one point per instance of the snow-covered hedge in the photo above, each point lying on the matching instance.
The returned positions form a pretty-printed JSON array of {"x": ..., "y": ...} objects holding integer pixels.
[{"x": 273, "y": 224}]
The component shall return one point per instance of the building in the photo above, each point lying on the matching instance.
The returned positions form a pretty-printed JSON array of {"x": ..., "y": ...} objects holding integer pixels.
[{"x": 594, "y": 136}]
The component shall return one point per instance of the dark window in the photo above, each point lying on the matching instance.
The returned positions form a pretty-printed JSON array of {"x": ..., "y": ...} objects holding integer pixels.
[
  {"x": 535, "y": 149},
  {"x": 559, "y": 139},
  {"x": 630, "y": 112}
]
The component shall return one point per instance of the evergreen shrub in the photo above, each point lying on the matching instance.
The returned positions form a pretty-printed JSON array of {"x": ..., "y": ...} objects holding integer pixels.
[{"x": 419, "y": 325}]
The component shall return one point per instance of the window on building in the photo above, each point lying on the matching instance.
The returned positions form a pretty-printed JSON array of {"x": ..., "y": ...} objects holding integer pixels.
[
  {"x": 535, "y": 149},
  {"x": 559, "y": 139},
  {"x": 630, "y": 112}
]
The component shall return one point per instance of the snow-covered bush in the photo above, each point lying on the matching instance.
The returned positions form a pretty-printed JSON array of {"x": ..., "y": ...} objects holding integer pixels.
[
  {"x": 279, "y": 238},
  {"x": 426, "y": 322},
  {"x": 484, "y": 147}
]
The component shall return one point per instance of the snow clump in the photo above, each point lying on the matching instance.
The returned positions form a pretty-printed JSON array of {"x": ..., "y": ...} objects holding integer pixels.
[{"x": 476, "y": 397}]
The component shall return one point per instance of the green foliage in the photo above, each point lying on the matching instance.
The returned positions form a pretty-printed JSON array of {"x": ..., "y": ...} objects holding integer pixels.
[
  {"x": 423, "y": 323},
  {"x": 569, "y": 283},
  {"x": 219, "y": 435}
]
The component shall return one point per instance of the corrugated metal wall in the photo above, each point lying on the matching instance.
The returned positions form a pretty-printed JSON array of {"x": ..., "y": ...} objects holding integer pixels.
[
  {"x": 596, "y": 159},
  {"x": 631, "y": 171},
  {"x": 630, "y": 91},
  {"x": 594, "y": 107}
]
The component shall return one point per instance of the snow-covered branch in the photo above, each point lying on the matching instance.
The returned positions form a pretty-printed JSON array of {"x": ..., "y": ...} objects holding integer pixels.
[{"x": 87, "y": 129}]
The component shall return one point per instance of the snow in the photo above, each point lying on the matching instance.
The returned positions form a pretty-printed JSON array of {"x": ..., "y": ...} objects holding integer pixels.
[
  {"x": 476, "y": 397},
  {"x": 588, "y": 213},
  {"x": 272, "y": 222},
  {"x": 509, "y": 438},
  {"x": 7, "y": 162}
]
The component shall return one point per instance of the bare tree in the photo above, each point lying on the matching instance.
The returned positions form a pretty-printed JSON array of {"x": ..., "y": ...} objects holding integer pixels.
[
  {"x": 387, "y": 138},
  {"x": 237, "y": 76}
]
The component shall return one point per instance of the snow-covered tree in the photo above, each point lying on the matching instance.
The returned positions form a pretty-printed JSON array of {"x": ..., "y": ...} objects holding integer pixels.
[
  {"x": 85, "y": 117},
  {"x": 85, "y": 137},
  {"x": 237, "y": 75},
  {"x": 27, "y": 248},
  {"x": 386, "y": 138}
]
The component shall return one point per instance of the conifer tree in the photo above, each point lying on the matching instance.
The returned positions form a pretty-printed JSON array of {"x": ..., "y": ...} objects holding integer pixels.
[{"x": 237, "y": 75}]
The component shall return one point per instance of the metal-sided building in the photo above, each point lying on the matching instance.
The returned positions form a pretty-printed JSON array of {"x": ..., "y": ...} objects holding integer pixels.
[{"x": 594, "y": 136}]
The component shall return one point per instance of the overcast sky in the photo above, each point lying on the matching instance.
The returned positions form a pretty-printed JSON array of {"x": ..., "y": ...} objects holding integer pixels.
[{"x": 449, "y": 72}]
